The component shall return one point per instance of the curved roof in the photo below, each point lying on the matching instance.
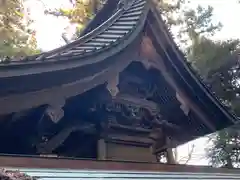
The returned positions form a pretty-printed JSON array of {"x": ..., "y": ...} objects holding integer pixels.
[
  {"x": 118, "y": 26},
  {"x": 111, "y": 36},
  {"x": 108, "y": 39},
  {"x": 70, "y": 66}
]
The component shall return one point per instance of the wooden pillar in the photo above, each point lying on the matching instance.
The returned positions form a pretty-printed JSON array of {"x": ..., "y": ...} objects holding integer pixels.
[
  {"x": 102, "y": 150},
  {"x": 170, "y": 156}
]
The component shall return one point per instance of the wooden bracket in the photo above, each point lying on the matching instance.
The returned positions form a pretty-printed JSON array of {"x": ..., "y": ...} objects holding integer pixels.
[
  {"x": 54, "y": 110},
  {"x": 112, "y": 86},
  {"x": 54, "y": 113},
  {"x": 184, "y": 106}
]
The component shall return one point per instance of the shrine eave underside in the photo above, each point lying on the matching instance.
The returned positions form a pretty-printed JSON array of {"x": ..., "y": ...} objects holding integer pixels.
[{"x": 97, "y": 47}]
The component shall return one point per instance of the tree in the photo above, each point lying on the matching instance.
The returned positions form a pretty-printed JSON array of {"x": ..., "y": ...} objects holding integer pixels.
[
  {"x": 16, "y": 39},
  {"x": 217, "y": 63},
  {"x": 224, "y": 150},
  {"x": 84, "y": 10},
  {"x": 211, "y": 59},
  {"x": 81, "y": 13},
  {"x": 171, "y": 10}
]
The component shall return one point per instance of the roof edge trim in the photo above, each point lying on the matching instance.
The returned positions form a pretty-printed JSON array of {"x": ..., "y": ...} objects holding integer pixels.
[{"x": 20, "y": 69}]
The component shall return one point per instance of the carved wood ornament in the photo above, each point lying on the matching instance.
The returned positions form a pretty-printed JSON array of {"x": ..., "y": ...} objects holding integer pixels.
[
  {"x": 55, "y": 113},
  {"x": 112, "y": 85},
  {"x": 55, "y": 110}
]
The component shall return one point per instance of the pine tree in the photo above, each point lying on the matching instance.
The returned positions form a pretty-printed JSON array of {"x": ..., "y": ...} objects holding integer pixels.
[
  {"x": 217, "y": 63},
  {"x": 81, "y": 13},
  {"x": 224, "y": 150},
  {"x": 16, "y": 39}
]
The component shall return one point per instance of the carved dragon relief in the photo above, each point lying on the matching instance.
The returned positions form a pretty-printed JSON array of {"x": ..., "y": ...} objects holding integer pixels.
[
  {"x": 127, "y": 110},
  {"x": 135, "y": 113},
  {"x": 129, "y": 115},
  {"x": 122, "y": 110}
]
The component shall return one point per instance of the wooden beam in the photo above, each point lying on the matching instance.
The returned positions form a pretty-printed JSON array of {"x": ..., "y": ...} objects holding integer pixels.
[
  {"x": 70, "y": 89},
  {"x": 129, "y": 128},
  {"x": 155, "y": 61},
  {"x": 78, "y": 164},
  {"x": 102, "y": 150},
  {"x": 56, "y": 141},
  {"x": 130, "y": 139},
  {"x": 138, "y": 102}
]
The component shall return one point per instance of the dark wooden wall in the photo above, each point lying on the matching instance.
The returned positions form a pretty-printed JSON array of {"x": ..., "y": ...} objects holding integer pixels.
[{"x": 117, "y": 151}]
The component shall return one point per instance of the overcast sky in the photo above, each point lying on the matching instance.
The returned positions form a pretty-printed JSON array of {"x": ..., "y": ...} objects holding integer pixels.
[{"x": 49, "y": 30}]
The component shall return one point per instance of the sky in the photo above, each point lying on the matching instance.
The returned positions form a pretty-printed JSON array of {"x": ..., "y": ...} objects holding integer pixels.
[
  {"x": 49, "y": 30},
  {"x": 227, "y": 12}
]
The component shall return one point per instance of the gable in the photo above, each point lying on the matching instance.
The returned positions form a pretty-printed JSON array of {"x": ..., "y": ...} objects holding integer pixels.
[{"x": 92, "y": 59}]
